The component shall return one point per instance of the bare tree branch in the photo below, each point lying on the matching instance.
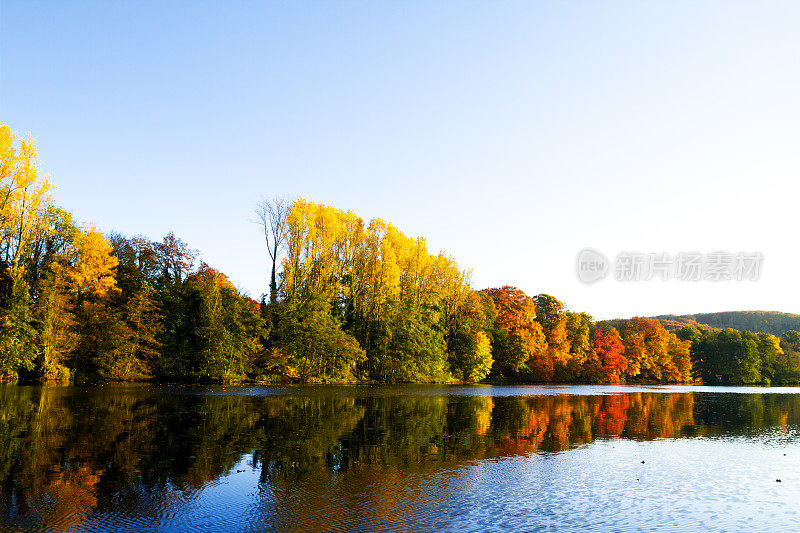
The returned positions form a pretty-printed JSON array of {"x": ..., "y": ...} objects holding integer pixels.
[{"x": 272, "y": 214}]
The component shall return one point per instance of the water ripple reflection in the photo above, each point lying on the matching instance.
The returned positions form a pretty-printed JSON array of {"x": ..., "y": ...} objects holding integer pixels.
[{"x": 141, "y": 458}]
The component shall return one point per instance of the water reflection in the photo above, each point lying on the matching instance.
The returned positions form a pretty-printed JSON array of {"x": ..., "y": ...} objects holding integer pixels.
[{"x": 142, "y": 457}]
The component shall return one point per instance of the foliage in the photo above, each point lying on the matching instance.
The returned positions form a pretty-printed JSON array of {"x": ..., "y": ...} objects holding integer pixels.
[
  {"x": 57, "y": 336},
  {"x": 653, "y": 353},
  {"x": 316, "y": 347},
  {"x": 473, "y": 355},
  {"x": 348, "y": 300},
  {"x": 608, "y": 354},
  {"x": 772, "y": 322},
  {"x": 212, "y": 331},
  {"x": 16, "y": 332},
  {"x": 741, "y": 357}
]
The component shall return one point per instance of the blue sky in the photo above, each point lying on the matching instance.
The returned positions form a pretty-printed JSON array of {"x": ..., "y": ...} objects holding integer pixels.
[{"x": 511, "y": 134}]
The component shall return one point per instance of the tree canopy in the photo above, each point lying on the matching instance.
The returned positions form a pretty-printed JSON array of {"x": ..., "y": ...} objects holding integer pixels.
[{"x": 347, "y": 300}]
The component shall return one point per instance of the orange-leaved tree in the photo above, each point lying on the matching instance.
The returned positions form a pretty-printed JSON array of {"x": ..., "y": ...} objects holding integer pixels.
[
  {"x": 608, "y": 349},
  {"x": 520, "y": 343}
]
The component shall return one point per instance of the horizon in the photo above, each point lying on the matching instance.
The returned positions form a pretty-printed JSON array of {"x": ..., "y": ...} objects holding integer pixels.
[{"x": 511, "y": 137}]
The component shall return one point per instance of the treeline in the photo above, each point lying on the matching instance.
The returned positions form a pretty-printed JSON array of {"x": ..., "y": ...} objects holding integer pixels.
[
  {"x": 349, "y": 301},
  {"x": 772, "y": 322},
  {"x": 360, "y": 301},
  {"x": 730, "y": 356},
  {"x": 75, "y": 304}
]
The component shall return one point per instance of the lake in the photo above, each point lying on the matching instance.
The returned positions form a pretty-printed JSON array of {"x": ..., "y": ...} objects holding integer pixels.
[{"x": 399, "y": 458}]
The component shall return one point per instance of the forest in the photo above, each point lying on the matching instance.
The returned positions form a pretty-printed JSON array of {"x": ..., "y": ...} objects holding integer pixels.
[
  {"x": 757, "y": 321},
  {"x": 348, "y": 300}
]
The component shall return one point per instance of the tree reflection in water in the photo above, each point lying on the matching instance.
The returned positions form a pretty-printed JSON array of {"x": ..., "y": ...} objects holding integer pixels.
[{"x": 67, "y": 454}]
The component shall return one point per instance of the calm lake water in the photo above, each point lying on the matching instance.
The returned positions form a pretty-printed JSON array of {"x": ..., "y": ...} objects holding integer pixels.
[{"x": 410, "y": 458}]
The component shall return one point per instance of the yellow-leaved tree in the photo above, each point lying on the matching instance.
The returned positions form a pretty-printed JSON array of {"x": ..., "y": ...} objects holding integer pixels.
[
  {"x": 91, "y": 275},
  {"x": 92, "y": 269},
  {"x": 24, "y": 199},
  {"x": 24, "y": 203}
]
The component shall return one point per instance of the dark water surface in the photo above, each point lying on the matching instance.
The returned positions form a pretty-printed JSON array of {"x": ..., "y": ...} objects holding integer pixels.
[{"x": 411, "y": 458}]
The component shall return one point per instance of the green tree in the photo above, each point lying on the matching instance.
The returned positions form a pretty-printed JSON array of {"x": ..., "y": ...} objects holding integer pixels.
[
  {"x": 212, "y": 331},
  {"x": 140, "y": 344},
  {"x": 511, "y": 351},
  {"x": 17, "y": 335},
  {"x": 473, "y": 355},
  {"x": 729, "y": 356},
  {"x": 770, "y": 354},
  {"x": 56, "y": 330},
  {"x": 316, "y": 347},
  {"x": 787, "y": 367}
]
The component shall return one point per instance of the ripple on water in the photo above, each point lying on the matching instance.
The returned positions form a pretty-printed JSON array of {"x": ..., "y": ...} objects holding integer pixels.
[{"x": 402, "y": 459}]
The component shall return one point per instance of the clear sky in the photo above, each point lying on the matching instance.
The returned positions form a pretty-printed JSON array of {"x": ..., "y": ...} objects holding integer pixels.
[{"x": 511, "y": 134}]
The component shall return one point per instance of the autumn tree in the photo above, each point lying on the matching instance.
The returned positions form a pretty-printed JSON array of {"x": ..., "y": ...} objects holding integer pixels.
[
  {"x": 606, "y": 361},
  {"x": 384, "y": 288},
  {"x": 567, "y": 336},
  {"x": 645, "y": 341},
  {"x": 607, "y": 351},
  {"x": 577, "y": 342},
  {"x": 24, "y": 199},
  {"x": 24, "y": 204},
  {"x": 175, "y": 259},
  {"x": 90, "y": 274},
  {"x": 515, "y": 309},
  {"x": 469, "y": 326},
  {"x": 512, "y": 353},
  {"x": 519, "y": 343},
  {"x": 680, "y": 368}
]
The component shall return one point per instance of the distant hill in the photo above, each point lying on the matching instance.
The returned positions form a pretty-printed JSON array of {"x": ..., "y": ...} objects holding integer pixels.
[{"x": 757, "y": 321}]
